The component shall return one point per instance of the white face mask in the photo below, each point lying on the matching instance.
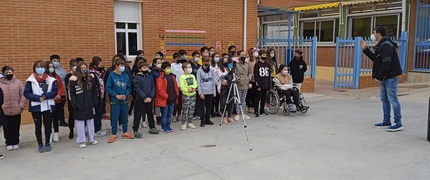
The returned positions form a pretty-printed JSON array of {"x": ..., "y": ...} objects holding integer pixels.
[
  {"x": 159, "y": 66},
  {"x": 190, "y": 70},
  {"x": 373, "y": 37},
  {"x": 255, "y": 54}
]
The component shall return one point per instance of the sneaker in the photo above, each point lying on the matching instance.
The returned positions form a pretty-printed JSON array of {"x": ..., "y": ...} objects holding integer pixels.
[
  {"x": 127, "y": 135},
  {"x": 202, "y": 124},
  {"x": 257, "y": 115},
  {"x": 246, "y": 116},
  {"x": 1, "y": 156},
  {"x": 154, "y": 131},
  {"x": 396, "y": 127},
  {"x": 41, "y": 148},
  {"x": 169, "y": 128},
  {"x": 138, "y": 135},
  {"x": 100, "y": 133},
  {"x": 119, "y": 128},
  {"x": 48, "y": 147},
  {"x": 183, "y": 127},
  {"x": 16, "y": 146},
  {"x": 209, "y": 122},
  {"x": 144, "y": 124},
  {"x": 237, "y": 117},
  {"x": 292, "y": 108},
  {"x": 112, "y": 139},
  {"x": 105, "y": 116},
  {"x": 191, "y": 125},
  {"x": 9, "y": 148},
  {"x": 94, "y": 142},
  {"x": 56, "y": 137},
  {"x": 82, "y": 145},
  {"x": 382, "y": 125}
]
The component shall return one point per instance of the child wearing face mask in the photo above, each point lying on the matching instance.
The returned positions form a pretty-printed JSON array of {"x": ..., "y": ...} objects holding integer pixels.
[
  {"x": 188, "y": 85},
  {"x": 214, "y": 65},
  {"x": 166, "y": 95},
  {"x": 195, "y": 67},
  {"x": 252, "y": 90},
  {"x": 73, "y": 65},
  {"x": 298, "y": 68},
  {"x": 178, "y": 71},
  {"x": 55, "y": 114},
  {"x": 206, "y": 80},
  {"x": 41, "y": 90},
  {"x": 118, "y": 86},
  {"x": 262, "y": 83},
  {"x": 145, "y": 94},
  {"x": 242, "y": 74},
  {"x": 155, "y": 73},
  {"x": 284, "y": 81},
  {"x": 224, "y": 82},
  {"x": 84, "y": 94}
]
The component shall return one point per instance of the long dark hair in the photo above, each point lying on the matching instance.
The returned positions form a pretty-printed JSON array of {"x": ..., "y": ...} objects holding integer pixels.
[
  {"x": 80, "y": 76},
  {"x": 221, "y": 65},
  {"x": 47, "y": 63},
  {"x": 135, "y": 69},
  {"x": 213, "y": 59}
]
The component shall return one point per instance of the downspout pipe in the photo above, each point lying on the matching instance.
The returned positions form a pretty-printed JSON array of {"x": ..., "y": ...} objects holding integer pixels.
[
  {"x": 404, "y": 15},
  {"x": 245, "y": 14}
]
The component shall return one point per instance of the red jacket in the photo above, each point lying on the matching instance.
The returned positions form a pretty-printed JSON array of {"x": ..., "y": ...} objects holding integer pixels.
[
  {"x": 161, "y": 88},
  {"x": 60, "y": 89}
]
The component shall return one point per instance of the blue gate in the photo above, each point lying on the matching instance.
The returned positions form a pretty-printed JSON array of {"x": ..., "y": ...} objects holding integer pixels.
[
  {"x": 422, "y": 40},
  {"x": 351, "y": 63},
  {"x": 285, "y": 48}
]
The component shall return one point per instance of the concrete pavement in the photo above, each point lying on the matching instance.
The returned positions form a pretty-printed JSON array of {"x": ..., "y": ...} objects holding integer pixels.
[{"x": 334, "y": 140}]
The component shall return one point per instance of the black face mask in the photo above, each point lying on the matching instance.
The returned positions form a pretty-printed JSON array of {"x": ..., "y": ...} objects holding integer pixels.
[
  {"x": 225, "y": 64},
  {"x": 263, "y": 58},
  {"x": 8, "y": 76},
  {"x": 145, "y": 72},
  {"x": 242, "y": 58}
]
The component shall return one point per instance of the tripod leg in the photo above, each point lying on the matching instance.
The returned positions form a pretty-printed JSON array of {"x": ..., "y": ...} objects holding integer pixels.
[
  {"x": 223, "y": 113},
  {"x": 245, "y": 126}
]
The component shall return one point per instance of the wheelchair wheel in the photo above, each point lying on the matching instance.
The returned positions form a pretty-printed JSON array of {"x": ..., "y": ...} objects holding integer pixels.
[
  {"x": 285, "y": 110},
  {"x": 272, "y": 103},
  {"x": 304, "y": 107}
]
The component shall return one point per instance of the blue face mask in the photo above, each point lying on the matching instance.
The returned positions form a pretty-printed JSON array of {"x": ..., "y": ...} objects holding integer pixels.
[
  {"x": 122, "y": 69},
  {"x": 56, "y": 64},
  {"x": 40, "y": 71},
  {"x": 196, "y": 59},
  {"x": 185, "y": 57},
  {"x": 216, "y": 60}
]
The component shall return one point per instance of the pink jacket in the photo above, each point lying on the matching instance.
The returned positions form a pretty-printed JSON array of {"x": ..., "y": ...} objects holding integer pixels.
[{"x": 14, "y": 100}]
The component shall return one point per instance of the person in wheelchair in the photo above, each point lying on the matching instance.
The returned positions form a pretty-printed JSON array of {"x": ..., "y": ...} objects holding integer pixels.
[{"x": 284, "y": 84}]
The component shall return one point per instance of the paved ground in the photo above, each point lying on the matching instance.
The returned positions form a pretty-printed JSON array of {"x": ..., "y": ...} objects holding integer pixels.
[{"x": 334, "y": 140}]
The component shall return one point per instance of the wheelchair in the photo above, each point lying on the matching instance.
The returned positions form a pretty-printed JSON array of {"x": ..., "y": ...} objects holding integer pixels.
[{"x": 275, "y": 101}]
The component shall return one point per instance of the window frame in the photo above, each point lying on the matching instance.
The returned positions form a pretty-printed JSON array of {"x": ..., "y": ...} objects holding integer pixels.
[
  {"x": 138, "y": 31},
  {"x": 319, "y": 28},
  {"x": 278, "y": 23}
]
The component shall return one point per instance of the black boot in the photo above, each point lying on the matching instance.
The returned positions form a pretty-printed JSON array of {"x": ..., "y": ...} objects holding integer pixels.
[
  {"x": 202, "y": 123},
  {"x": 71, "y": 134},
  {"x": 209, "y": 122}
]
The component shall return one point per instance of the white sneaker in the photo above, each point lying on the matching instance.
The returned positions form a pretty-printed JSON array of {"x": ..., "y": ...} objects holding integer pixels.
[
  {"x": 16, "y": 146},
  {"x": 191, "y": 125},
  {"x": 9, "y": 148},
  {"x": 237, "y": 117},
  {"x": 119, "y": 128},
  {"x": 246, "y": 116},
  {"x": 94, "y": 142},
  {"x": 56, "y": 137},
  {"x": 100, "y": 133},
  {"x": 144, "y": 124},
  {"x": 82, "y": 145},
  {"x": 183, "y": 127}
]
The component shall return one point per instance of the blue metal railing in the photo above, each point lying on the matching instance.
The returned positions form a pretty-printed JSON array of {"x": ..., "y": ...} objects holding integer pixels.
[{"x": 422, "y": 39}]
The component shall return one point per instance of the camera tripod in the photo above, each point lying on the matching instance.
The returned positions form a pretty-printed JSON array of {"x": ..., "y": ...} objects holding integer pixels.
[{"x": 232, "y": 95}]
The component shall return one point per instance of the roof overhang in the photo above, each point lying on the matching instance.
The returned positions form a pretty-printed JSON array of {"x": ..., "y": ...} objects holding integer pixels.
[
  {"x": 269, "y": 11},
  {"x": 336, "y": 4}
]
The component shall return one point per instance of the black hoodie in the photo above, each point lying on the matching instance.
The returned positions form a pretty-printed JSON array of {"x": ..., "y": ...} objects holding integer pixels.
[
  {"x": 298, "y": 74},
  {"x": 386, "y": 62}
]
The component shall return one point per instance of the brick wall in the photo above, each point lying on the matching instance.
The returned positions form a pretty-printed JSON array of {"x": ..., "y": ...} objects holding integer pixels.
[
  {"x": 308, "y": 85},
  {"x": 411, "y": 34},
  {"x": 222, "y": 20},
  {"x": 366, "y": 81}
]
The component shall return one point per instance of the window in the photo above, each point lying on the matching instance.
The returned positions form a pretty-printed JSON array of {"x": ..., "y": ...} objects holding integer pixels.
[
  {"x": 363, "y": 26},
  {"x": 325, "y": 30},
  {"x": 126, "y": 38},
  {"x": 276, "y": 26},
  {"x": 127, "y": 28}
]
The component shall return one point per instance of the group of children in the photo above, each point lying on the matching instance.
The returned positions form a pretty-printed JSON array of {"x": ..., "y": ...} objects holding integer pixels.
[{"x": 187, "y": 89}]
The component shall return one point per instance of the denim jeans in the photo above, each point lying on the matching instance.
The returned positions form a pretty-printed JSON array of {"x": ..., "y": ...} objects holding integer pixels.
[
  {"x": 388, "y": 90},
  {"x": 167, "y": 113}
]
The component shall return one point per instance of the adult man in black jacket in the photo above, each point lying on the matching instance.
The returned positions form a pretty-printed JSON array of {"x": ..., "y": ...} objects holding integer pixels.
[{"x": 386, "y": 71}]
